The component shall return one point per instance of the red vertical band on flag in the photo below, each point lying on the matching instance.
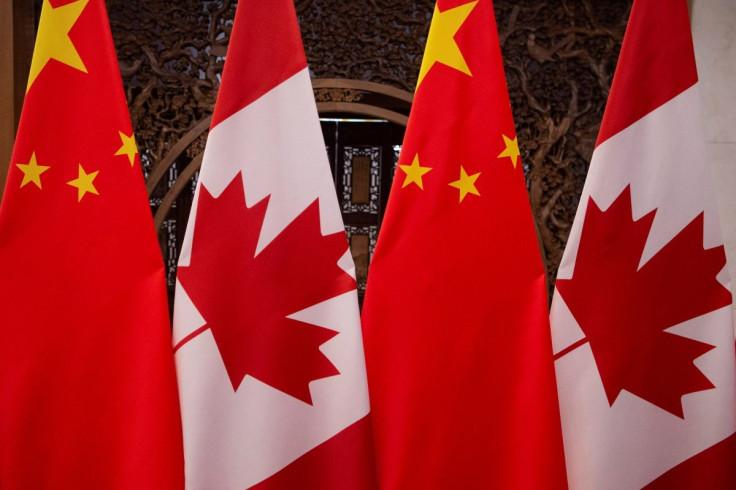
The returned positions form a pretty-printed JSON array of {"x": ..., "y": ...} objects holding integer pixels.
[
  {"x": 279, "y": 55},
  {"x": 651, "y": 72},
  {"x": 713, "y": 468},
  {"x": 332, "y": 465}
]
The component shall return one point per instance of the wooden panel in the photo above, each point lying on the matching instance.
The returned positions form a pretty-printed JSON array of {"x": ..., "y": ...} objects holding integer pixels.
[
  {"x": 359, "y": 247},
  {"x": 361, "y": 193},
  {"x": 25, "y": 19},
  {"x": 18, "y": 20},
  {"x": 7, "y": 106}
]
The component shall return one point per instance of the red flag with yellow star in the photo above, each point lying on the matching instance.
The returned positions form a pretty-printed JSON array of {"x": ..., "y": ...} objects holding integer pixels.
[
  {"x": 88, "y": 394},
  {"x": 459, "y": 360}
]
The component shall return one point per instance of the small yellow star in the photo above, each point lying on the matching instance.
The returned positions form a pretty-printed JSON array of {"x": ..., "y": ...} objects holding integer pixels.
[
  {"x": 441, "y": 45},
  {"x": 512, "y": 149},
  {"x": 129, "y": 147},
  {"x": 32, "y": 171},
  {"x": 466, "y": 184},
  {"x": 84, "y": 183},
  {"x": 414, "y": 173},
  {"x": 52, "y": 40}
]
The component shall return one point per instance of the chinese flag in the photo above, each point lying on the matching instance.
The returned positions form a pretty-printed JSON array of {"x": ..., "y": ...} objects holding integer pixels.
[
  {"x": 267, "y": 334},
  {"x": 459, "y": 357},
  {"x": 642, "y": 318},
  {"x": 87, "y": 388}
]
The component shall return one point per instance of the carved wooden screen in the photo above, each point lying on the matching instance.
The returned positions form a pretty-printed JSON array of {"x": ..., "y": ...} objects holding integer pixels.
[
  {"x": 364, "y": 156},
  {"x": 559, "y": 57}
]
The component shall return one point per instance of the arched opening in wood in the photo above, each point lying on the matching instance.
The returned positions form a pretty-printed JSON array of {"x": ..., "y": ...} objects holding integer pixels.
[{"x": 334, "y": 96}]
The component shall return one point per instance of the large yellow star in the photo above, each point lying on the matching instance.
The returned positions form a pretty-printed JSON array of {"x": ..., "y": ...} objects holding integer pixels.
[
  {"x": 441, "y": 45},
  {"x": 466, "y": 184},
  {"x": 84, "y": 183},
  {"x": 32, "y": 171},
  {"x": 52, "y": 40},
  {"x": 512, "y": 149},
  {"x": 129, "y": 147},
  {"x": 414, "y": 173}
]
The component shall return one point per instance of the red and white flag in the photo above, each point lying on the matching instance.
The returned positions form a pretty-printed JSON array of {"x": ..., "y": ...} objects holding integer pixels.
[
  {"x": 642, "y": 319},
  {"x": 267, "y": 333}
]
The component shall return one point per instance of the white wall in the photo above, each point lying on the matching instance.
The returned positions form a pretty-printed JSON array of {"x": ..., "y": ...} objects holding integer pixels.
[{"x": 714, "y": 35}]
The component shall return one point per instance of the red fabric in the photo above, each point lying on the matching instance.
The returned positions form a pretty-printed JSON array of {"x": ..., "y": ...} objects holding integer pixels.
[
  {"x": 713, "y": 468},
  {"x": 458, "y": 348},
  {"x": 650, "y": 72},
  {"x": 337, "y": 462},
  {"x": 279, "y": 56},
  {"x": 87, "y": 389}
]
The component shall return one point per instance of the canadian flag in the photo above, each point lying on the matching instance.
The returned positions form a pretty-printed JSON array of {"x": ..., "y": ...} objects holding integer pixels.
[
  {"x": 267, "y": 334},
  {"x": 642, "y": 323}
]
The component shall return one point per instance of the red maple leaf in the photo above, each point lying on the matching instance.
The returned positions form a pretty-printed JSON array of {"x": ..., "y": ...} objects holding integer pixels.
[
  {"x": 623, "y": 309},
  {"x": 245, "y": 298}
]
